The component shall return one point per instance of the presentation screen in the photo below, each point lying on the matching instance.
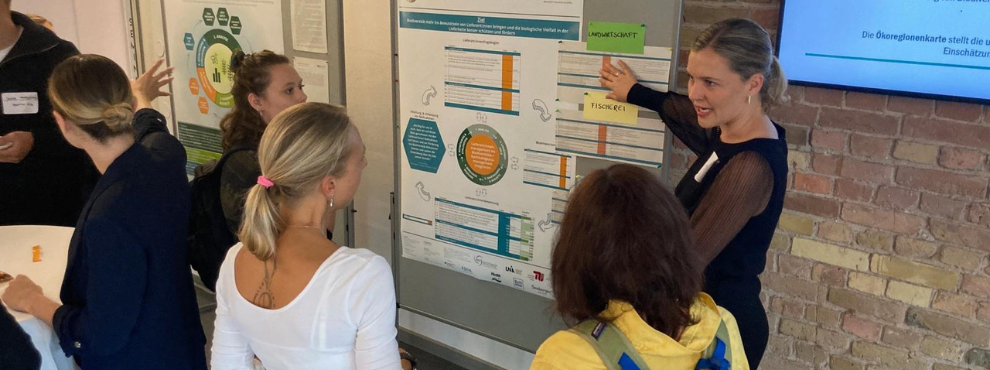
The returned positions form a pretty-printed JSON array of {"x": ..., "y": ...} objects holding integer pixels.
[{"x": 927, "y": 48}]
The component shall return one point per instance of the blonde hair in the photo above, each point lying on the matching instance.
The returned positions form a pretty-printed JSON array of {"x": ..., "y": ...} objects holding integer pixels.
[
  {"x": 300, "y": 147},
  {"x": 746, "y": 45},
  {"x": 37, "y": 19},
  {"x": 95, "y": 94}
]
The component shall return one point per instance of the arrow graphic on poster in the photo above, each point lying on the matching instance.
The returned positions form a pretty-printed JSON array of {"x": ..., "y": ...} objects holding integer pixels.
[
  {"x": 540, "y": 106},
  {"x": 547, "y": 224},
  {"x": 429, "y": 94},
  {"x": 422, "y": 191}
]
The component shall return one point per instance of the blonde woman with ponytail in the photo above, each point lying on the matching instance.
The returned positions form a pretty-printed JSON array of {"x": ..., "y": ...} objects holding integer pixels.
[
  {"x": 127, "y": 295},
  {"x": 734, "y": 192},
  {"x": 286, "y": 293}
]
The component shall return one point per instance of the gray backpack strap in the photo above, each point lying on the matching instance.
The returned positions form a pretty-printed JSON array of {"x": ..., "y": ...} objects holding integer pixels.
[
  {"x": 612, "y": 345},
  {"x": 718, "y": 355}
]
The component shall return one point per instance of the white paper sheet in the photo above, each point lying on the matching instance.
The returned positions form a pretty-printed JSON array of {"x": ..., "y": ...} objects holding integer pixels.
[
  {"x": 309, "y": 26},
  {"x": 314, "y": 73}
]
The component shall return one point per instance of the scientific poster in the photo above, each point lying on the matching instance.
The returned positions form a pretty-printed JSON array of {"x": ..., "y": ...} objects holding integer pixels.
[
  {"x": 480, "y": 169},
  {"x": 202, "y": 37}
]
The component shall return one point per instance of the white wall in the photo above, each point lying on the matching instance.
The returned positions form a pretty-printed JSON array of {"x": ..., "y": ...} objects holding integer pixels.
[
  {"x": 368, "y": 67},
  {"x": 95, "y": 26}
]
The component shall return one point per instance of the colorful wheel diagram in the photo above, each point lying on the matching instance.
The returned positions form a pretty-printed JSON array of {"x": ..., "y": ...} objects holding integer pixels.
[
  {"x": 213, "y": 54},
  {"x": 482, "y": 155}
]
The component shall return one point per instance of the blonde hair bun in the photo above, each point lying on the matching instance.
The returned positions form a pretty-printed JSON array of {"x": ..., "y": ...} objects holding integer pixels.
[
  {"x": 94, "y": 93},
  {"x": 118, "y": 115}
]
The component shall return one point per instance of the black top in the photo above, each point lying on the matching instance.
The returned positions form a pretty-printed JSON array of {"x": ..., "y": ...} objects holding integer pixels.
[
  {"x": 51, "y": 184},
  {"x": 239, "y": 174},
  {"x": 736, "y": 202},
  {"x": 128, "y": 298}
]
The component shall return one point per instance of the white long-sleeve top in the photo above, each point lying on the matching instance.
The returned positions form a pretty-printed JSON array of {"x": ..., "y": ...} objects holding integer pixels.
[{"x": 343, "y": 319}]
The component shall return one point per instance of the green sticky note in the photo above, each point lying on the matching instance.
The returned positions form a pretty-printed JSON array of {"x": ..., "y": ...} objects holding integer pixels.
[{"x": 627, "y": 38}]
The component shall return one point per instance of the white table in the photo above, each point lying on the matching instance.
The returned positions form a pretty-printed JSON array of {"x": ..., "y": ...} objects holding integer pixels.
[{"x": 16, "y": 258}]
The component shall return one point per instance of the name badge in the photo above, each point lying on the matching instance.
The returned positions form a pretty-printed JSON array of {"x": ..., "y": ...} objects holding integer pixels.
[
  {"x": 20, "y": 103},
  {"x": 704, "y": 169}
]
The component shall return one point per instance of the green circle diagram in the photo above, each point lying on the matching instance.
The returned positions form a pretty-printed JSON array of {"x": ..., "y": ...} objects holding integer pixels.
[
  {"x": 213, "y": 53},
  {"x": 482, "y": 155}
]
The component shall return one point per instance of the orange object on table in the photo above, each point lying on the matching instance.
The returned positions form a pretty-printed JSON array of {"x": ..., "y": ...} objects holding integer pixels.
[{"x": 36, "y": 253}]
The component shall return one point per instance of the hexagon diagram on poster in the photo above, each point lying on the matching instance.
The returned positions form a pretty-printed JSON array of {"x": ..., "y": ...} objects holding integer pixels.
[
  {"x": 202, "y": 38},
  {"x": 482, "y": 182}
]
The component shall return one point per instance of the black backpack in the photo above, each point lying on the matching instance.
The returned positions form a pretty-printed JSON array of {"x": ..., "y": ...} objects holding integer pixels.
[{"x": 209, "y": 237}]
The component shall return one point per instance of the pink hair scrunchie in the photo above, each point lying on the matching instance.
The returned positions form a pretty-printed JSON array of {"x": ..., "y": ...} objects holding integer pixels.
[{"x": 264, "y": 181}]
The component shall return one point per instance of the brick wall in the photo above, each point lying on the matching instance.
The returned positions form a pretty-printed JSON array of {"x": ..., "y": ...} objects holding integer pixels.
[{"x": 880, "y": 258}]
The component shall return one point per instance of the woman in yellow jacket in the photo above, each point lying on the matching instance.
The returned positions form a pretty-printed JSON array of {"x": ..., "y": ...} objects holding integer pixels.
[{"x": 626, "y": 274}]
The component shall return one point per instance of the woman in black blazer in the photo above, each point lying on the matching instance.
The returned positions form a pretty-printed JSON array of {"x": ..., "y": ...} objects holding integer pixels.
[{"x": 127, "y": 297}]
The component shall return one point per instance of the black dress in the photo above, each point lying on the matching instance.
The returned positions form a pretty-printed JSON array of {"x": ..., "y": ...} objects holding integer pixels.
[{"x": 734, "y": 194}]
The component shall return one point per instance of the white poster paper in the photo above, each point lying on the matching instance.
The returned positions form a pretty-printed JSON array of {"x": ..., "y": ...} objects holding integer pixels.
[
  {"x": 479, "y": 166},
  {"x": 309, "y": 25},
  {"x": 315, "y": 78},
  {"x": 203, "y": 35},
  {"x": 578, "y": 73}
]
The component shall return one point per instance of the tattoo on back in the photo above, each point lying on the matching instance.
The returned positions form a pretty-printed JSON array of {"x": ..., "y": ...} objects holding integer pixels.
[{"x": 264, "y": 297}]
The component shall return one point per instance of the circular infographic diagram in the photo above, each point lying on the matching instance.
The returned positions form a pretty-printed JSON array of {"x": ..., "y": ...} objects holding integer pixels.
[
  {"x": 213, "y": 54},
  {"x": 482, "y": 154}
]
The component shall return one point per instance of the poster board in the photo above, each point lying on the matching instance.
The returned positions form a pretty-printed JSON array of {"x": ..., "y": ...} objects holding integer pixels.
[
  {"x": 476, "y": 187},
  {"x": 201, "y": 38},
  {"x": 192, "y": 32}
]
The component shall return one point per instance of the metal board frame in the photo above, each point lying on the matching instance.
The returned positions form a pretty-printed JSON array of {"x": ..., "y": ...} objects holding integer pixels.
[{"x": 493, "y": 310}]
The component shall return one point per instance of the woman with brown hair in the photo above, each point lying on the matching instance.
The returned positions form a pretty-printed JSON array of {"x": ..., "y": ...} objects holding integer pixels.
[
  {"x": 625, "y": 256},
  {"x": 734, "y": 192},
  {"x": 265, "y": 84}
]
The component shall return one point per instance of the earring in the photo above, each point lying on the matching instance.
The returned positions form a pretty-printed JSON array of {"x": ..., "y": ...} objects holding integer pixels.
[
  {"x": 331, "y": 202},
  {"x": 749, "y": 99}
]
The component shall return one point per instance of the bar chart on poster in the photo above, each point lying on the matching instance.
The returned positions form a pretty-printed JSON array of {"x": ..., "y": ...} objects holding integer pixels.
[{"x": 500, "y": 112}]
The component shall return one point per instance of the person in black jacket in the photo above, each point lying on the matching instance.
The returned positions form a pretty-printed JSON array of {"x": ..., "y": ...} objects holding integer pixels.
[
  {"x": 127, "y": 296},
  {"x": 45, "y": 181}
]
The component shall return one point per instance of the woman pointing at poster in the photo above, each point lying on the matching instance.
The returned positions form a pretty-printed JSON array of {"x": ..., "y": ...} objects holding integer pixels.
[{"x": 734, "y": 192}]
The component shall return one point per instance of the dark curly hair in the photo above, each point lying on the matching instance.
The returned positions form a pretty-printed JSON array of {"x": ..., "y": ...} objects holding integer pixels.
[
  {"x": 625, "y": 237},
  {"x": 252, "y": 74}
]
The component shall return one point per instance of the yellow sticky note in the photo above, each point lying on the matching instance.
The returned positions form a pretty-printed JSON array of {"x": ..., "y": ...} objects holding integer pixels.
[{"x": 598, "y": 108}]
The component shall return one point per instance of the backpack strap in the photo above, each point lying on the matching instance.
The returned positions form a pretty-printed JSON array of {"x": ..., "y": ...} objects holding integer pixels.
[
  {"x": 611, "y": 344},
  {"x": 718, "y": 355},
  {"x": 230, "y": 152}
]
